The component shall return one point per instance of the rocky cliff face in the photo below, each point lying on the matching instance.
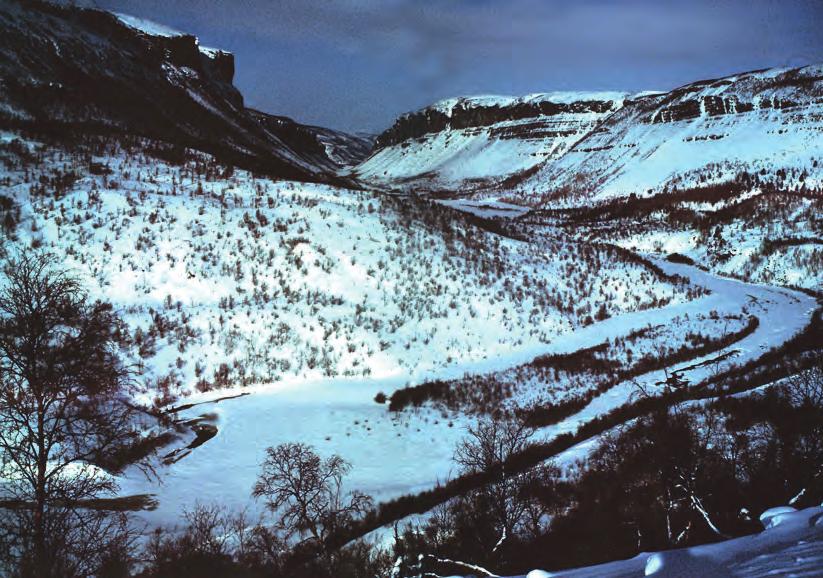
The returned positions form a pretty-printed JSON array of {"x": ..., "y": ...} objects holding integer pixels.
[
  {"x": 93, "y": 70},
  {"x": 462, "y": 144},
  {"x": 463, "y": 113}
]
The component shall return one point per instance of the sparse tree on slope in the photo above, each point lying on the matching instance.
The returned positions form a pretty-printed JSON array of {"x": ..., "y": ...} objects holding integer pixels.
[
  {"x": 489, "y": 446},
  {"x": 306, "y": 493}
]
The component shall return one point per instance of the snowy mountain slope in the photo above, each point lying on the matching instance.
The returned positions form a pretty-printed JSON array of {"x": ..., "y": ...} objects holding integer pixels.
[
  {"x": 92, "y": 70},
  {"x": 573, "y": 149},
  {"x": 258, "y": 281},
  {"x": 464, "y": 143},
  {"x": 706, "y": 132}
]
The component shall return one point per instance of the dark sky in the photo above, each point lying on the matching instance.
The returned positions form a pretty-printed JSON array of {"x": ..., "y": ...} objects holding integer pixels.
[{"x": 356, "y": 64}]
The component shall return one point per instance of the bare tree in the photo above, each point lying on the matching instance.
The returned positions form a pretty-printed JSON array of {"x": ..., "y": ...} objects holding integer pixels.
[
  {"x": 805, "y": 387},
  {"x": 306, "y": 493},
  {"x": 488, "y": 448},
  {"x": 805, "y": 390},
  {"x": 212, "y": 542},
  {"x": 63, "y": 406}
]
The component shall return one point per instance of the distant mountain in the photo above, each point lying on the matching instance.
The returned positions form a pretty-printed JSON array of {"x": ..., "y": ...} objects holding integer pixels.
[
  {"x": 64, "y": 67},
  {"x": 472, "y": 143},
  {"x": 562, "y": 149}
]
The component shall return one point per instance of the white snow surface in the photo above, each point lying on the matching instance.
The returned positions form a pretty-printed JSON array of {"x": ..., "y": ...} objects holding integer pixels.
[
  {"x": 740, "y": 240},
  {"x": 793, "y": 547},
  {"x": 487, "y": 208},
  {"x": 776, "y": 516}
]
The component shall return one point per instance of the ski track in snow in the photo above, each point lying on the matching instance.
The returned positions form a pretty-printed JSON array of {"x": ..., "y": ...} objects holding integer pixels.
[{"x": 394, "y": 455}]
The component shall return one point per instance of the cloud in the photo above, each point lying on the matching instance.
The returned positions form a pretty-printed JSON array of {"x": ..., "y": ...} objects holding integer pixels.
[{"x": 376, "y": 58}]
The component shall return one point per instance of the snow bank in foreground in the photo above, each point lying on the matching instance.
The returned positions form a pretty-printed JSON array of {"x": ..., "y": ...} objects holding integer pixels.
[
  {"x": 773, "y": 517},
  {"x": 791, "y": 545}
]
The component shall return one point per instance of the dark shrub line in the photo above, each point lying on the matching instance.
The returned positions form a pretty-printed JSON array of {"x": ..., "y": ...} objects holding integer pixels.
[
  {"x": 635, "y": 207},
  {"x": 771, "y": 245},
  {"x": 589, "y": 359},
  {"x": 766, "y": 369},
  {"x": 680, "y": 258}
]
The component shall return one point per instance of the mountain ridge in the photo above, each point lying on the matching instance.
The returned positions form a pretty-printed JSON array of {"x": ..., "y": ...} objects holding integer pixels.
[
  {"x": 89, "y": 69},
  {"x": 766, "y": 121}
]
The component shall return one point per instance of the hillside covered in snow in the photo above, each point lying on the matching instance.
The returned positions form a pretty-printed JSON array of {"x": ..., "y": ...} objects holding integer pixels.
[
  {"x": 767, "y": 122},
  {"x": 261, "y": 281},
  {"x": 574, "y": 149},
  {"x": 466, "y": 144}
]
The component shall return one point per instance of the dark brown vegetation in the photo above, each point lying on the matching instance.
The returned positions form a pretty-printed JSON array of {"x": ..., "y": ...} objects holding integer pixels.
[
  {"x": 797, "y": 354},
  {"x": 770, "y": 209},
  {"x": 487, "y": 393},
  {"x": 676, "y": 476},
  {"x": 306, "y": 504}
]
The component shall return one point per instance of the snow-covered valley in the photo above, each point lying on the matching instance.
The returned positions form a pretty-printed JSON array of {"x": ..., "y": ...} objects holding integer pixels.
[
  {"x": 575, "y": 332},
  {"x": 275, "y": 312},
  {"x": 408, "y": 452},
  {"x": 238, "y": 280}
]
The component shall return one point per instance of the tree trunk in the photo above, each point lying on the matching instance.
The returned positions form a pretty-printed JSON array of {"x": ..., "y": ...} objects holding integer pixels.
[{"x": 40, "y": 551}]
